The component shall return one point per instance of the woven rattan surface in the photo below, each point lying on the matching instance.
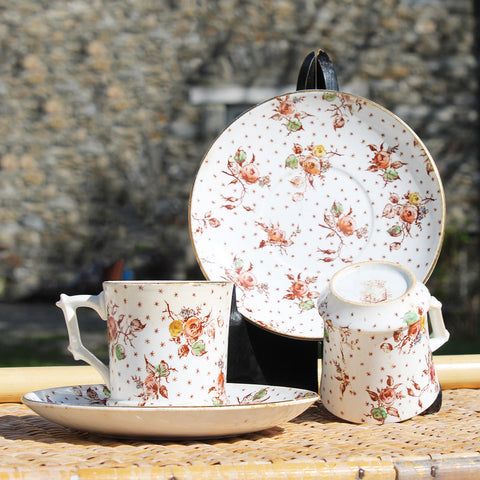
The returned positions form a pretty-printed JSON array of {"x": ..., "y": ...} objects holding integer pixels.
[{"x": 32, "y": 447}]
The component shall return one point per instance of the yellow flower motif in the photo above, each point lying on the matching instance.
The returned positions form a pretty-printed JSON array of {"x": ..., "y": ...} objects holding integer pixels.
[
  {"x": 319, "y": 151},
  {"x": 422, "y": 322},
  {"x": 414, "y": 199},
  {"x": 175, "y": 328}
]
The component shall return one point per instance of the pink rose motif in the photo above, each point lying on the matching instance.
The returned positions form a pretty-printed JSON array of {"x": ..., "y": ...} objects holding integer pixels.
[
  {"x": 286, "y": 108},
  {"x": 299, "y": 289},
  {"x": 346, "y": 225},
  {"x": 388, "y": 396},
  {"x": 247, "y": 280},
  {"x": 192, "y": 329},
  {"x": 112, "y": 329},
  {"x": 409, "y": 214},
  {"x": 249, "y": 173}
]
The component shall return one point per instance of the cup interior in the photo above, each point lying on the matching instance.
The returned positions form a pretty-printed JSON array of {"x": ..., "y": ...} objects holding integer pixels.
[{"x": 369, "y": 283}]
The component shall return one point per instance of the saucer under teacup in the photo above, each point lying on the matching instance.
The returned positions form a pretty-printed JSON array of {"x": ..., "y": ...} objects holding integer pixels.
[{"x": 249, "y": 408}]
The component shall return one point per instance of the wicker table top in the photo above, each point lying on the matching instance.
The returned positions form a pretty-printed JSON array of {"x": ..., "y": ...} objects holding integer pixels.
[{"x": 314, "y": 445}]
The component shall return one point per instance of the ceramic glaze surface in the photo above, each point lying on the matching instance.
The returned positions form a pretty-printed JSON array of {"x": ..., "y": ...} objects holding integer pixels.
[
  {"x": 368, "y": 283},
  {"x": 247, "y": 408},
  {"x": 302, "y": 185},
  {"x": 167, "y": 341},
  {"x": 377, "y": 365},
  {"x": 379, "y": 378}
]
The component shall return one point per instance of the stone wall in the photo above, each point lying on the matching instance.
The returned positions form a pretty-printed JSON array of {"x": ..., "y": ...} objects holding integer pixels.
[{"x": 101, "y": 138}]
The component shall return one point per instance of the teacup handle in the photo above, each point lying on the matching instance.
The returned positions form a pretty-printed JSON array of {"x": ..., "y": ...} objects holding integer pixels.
[
  {"x": 439, "y": 333},
  {"x": 69, "y": 305}
]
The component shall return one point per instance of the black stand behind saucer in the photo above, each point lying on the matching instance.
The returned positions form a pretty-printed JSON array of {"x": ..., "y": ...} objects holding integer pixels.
[{"x": 259, "y": 356}]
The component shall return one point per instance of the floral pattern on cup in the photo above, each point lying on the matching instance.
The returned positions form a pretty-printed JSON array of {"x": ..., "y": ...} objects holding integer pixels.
[
  {"x": 187, "y": 328},
  {"x": 384, "y": 400},
  {"x": 406, "y": 338},
  {"x": 168, "y": 340},
  {"x": 377, "y": 364},
  {"x": 388, "y": 399},
  {"x": 154, "y": 385},
  {"x": 121, "y": 331}
]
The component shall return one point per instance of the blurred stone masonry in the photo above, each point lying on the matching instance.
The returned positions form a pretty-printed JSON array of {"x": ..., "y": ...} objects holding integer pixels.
[{"x": 107, "y": 108}]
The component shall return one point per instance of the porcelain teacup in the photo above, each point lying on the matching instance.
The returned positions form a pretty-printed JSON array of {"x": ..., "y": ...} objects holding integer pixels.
[
  {"x": 377, "y": 364},
  {"x": 167, "y": 340}
]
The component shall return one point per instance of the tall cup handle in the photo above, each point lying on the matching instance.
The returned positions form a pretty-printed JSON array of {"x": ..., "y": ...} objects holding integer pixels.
[
  {"x": 69, "y": 305},
  {"x": 439, "y": 333}
]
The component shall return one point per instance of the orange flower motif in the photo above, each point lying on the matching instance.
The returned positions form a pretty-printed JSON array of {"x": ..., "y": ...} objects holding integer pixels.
[
  {"x": 346, "y": 225},
  {"x": 382, "y": 159},
  {"x": 249, "y": 173},
  {"x": 311, "y": 165},
  {"x": 276, "y": 235},
  {"x": 192, "y": 329},
  {"x": 299, "y": 289},
  {"x": 409, "y": 214}
]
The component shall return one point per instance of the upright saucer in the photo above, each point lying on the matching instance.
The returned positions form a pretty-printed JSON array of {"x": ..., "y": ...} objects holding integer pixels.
[
  {"x": 250, "y": 408},
  {"x": 303, "y": 184}
]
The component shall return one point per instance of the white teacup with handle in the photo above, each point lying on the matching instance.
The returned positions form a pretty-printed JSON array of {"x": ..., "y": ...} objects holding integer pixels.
[{"x": 167, "y": 340}]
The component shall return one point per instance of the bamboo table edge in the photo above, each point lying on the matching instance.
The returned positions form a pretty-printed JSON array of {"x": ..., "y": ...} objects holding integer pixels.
[
  {"x": 454, "y": 371},
  {"x": 373, "y": 469}
]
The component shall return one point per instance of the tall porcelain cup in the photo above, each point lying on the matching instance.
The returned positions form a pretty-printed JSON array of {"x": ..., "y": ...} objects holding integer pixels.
[
  {"x": 167, "y": 340},
  {"x": 377, "y": 364}
]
